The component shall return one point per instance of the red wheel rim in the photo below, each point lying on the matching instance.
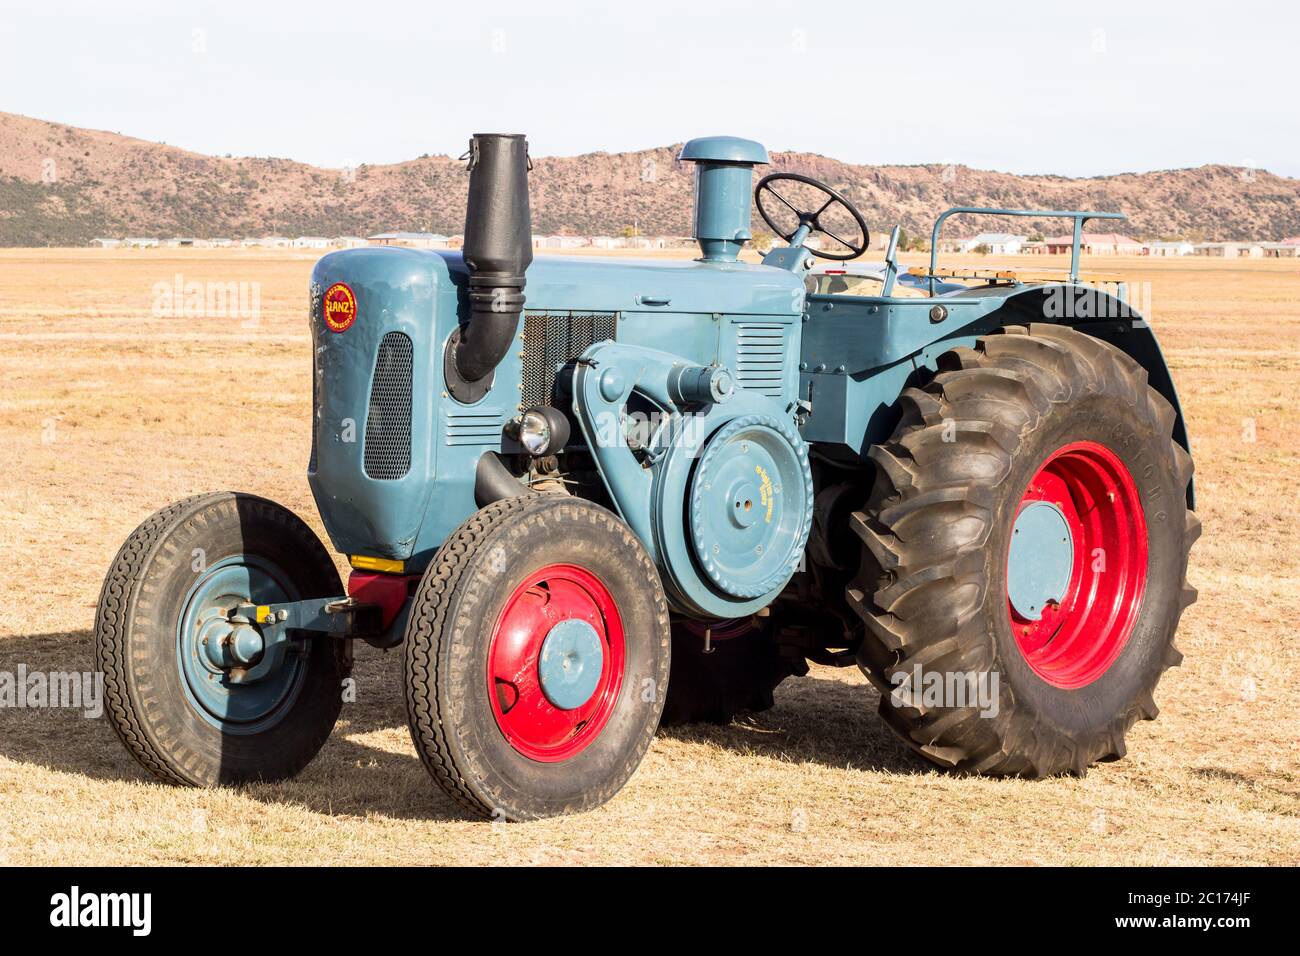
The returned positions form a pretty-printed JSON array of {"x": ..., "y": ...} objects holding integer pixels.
[
  {"x": 528, "y": 719},
  {"x": 1078, "y": 637}
]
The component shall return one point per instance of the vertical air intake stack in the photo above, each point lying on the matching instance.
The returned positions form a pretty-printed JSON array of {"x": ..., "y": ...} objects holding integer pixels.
[
  {"x": 498, "y": 249},
  {"x": 724, "y": 180}
]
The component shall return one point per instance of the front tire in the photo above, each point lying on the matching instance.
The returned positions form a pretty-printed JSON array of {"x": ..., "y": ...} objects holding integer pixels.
[
  {"x": 175, "y": 580},
  {"x": 537, "y": 658},
  {"x": 1028, "y": 529}
]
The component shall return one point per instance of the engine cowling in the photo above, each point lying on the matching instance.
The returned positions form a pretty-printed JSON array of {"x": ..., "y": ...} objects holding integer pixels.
[{"x": 739, "y": 465}]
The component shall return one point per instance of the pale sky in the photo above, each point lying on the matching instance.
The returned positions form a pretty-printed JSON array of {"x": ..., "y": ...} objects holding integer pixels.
[{"x": 1079, "y": 90}]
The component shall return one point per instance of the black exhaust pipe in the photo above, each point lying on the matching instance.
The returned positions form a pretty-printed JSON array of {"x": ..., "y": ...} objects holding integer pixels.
[{"x": 498, "y": 248}]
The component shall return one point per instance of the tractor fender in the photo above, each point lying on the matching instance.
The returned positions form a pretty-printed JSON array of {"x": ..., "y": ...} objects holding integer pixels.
[{"x": 1110, "y": 318}]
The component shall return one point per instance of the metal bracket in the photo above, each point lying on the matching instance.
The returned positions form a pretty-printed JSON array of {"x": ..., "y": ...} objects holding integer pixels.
[{"x": 281, "y": 627}]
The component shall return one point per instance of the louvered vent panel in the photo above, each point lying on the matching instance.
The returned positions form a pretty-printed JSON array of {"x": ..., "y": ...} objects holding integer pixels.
[
  {"x": 474, "y": 426},
  {"x": 760, "y": 357}
]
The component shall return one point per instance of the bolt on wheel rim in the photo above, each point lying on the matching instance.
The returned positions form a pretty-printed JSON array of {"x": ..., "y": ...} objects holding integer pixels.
[
  {"x": 555, "y": 663},
  {"x": 1076, "y": 565}
]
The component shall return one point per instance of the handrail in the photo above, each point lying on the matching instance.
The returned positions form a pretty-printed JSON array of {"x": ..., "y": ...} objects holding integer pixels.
[{"x": 1079, "y": 219}]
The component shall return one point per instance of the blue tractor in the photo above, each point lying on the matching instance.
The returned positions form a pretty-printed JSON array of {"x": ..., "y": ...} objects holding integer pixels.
[{"x": 587, "y": 495}]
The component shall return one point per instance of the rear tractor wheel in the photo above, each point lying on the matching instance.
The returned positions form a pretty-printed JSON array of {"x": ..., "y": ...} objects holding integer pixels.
[
  {"x": 1025, "y": 555},
  {"x": 537, "y": 657}
]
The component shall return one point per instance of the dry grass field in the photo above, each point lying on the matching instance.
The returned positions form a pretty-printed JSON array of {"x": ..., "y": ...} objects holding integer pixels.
[{"x": 108, "y": 411}]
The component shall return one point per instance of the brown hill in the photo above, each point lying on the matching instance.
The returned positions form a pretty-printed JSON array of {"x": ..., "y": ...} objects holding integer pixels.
[{"x": 63, "y": 185}]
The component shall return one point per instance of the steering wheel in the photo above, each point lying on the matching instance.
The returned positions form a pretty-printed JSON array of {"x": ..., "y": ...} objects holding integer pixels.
[{"x": 811, "y": 222}]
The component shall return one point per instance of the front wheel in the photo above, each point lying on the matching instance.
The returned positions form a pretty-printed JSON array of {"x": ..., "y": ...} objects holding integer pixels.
[
  {"x": 163, "y": 632},
  {"x": 537, "y": 656},
  {"x": 1025, "y": 555}
]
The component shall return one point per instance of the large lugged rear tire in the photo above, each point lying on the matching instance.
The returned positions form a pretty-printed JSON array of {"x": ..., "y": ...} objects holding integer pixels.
[
  {"x": 537, "y": 657},
  {"x": 179, "y": 573},
  {"x": 1028, "y": 524}
]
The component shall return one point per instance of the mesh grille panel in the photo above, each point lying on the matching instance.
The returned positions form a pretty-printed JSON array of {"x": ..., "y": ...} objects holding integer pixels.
[
  {"x": 553, "y": 338},
  {"x": 388, "y": 419}
]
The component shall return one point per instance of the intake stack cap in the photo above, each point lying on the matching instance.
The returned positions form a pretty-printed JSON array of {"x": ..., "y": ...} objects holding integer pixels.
[{"x": 724, "y": 175}]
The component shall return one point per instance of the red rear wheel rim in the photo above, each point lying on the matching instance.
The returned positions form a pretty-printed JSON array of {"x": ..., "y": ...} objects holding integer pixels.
[
  {"x": 1078, "y": 637},
  {"x": 528, "y": 719}
]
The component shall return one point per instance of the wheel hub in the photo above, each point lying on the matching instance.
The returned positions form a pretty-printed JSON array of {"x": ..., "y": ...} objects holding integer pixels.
[
  {"x": 570, "y": 663},
  {"x": 228, "y": 644},
  {"x": 214, "y": 652},
  {"x": 1041, "y": 559}
]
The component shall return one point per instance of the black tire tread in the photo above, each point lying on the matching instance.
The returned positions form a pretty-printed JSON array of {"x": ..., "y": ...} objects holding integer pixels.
[
  {"x": 113, "y": 613},
  {"x": 928, "y": 519},
  {"x": 430, "y": 733},
  {"x": 110, "y": 634}
]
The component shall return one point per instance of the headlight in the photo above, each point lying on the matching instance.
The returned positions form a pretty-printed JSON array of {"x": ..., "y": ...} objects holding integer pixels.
[
  {"x": 543, "y": 431},
  {"x": 535, "y": 432}
]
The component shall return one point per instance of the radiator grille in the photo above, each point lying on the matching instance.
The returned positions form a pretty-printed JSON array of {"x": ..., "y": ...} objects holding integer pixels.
[
  {"x": 388, "y": 419},
  {"x": 760, "y": 357},
  {"x": 552, "y": 339}
]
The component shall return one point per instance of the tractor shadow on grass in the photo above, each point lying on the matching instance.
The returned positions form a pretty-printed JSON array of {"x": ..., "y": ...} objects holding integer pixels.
[
  {"x": 816, "y": 720},
  {"x": 368, "y": 767}
]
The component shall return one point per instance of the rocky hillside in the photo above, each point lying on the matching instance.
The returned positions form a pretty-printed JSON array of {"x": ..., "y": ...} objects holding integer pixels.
[{"x": 61, "y": 185}]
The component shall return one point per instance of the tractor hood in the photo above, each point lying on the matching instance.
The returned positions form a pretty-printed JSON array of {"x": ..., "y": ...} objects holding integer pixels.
[
  {"x": 651, "y": 285},
  {"x": 394, "y": 452}
]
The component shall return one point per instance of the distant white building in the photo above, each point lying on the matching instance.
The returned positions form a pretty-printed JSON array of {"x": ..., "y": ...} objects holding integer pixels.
[
  {"x": 997, "y": 243},
  {"x": 608, "y": 242},
  {"x": 221, "y": 243},
  {"x": 267, "y": 242},
  {"x": 1167, "y": 249},
  {"x": 559, "y": 242},
  {"x": 1231, "y": 250},
  {"x": 347, "y": 242},
  {"x": 106, "y": 243},
  {"x": 1218, "y": 250},
  {"x": 1281, "y": 250},
  {"x": 311, "y": 242},
  {"x": 136, "y": 242},
  {"x": 648, "y": 242},
  {"x": 412, "y": 240},
  {"x": 1096, "y": 244}
]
